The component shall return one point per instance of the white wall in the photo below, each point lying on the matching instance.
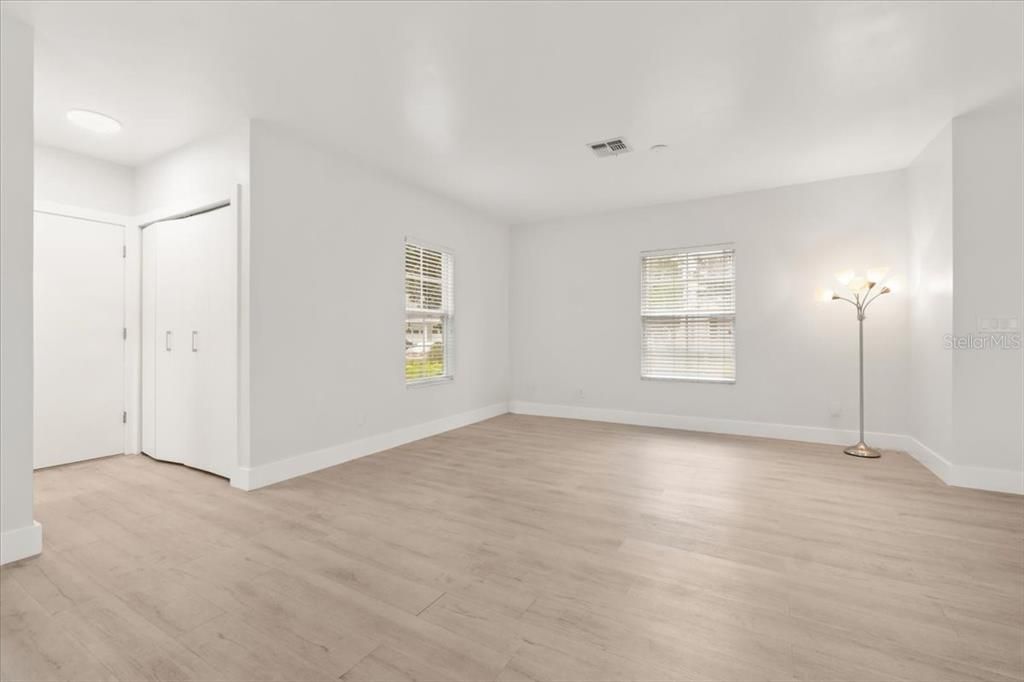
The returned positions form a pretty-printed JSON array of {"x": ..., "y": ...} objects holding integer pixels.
[
  {"x": 71, "y": 179},
  {"x": 988, "y": 181},
  {"x": 576, "y": 323},
  {"x": 198, "y": 169},
  {"x": 930, "y": 287},
  {"x": 19, "y": 537},
  {"x": 327, "y": 304}
]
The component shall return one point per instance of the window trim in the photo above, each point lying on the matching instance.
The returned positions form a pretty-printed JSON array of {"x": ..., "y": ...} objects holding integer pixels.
[
  {"x": 640, "y": 317},
  {"x": 449, "y": 375}
]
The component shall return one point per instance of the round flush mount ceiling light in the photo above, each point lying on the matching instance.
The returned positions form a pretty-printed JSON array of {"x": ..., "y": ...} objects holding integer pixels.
[
  {"x": 659, "y": 147},
  {"x": 94, "y": 122}
]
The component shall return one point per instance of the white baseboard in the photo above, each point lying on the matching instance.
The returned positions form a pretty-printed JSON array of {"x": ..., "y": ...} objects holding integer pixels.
[
  {"x": 998, "y": 480},
  {"x": 21, "y": 543},
  {"x": 251, "y": 478},
  {"x": 981, "y": 478},
  {"x": 733, "y": 427}
]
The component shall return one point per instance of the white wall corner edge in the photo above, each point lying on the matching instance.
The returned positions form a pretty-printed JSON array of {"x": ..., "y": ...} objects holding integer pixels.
[
  {"x": 253, "y": 478},
  {"x": 933, "y": 461},
  {"x": 21, "y": 543},
  {"x": 996, "y": 480}
]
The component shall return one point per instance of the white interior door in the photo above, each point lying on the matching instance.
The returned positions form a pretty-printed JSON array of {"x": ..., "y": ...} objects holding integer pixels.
[
  {"x": 79, "y": 344},
  {"x": 190, "y": 350}
]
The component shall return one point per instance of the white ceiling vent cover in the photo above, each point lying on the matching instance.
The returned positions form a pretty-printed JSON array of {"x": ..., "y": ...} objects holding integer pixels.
[{"x": 612, "y": 147}]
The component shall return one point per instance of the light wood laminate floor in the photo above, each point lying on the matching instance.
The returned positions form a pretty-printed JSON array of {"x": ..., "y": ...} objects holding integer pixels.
[{"x": 524, "y": 548}]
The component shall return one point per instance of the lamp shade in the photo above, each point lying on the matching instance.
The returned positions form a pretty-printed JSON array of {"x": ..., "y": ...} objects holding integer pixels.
[{"x": 856, "y": 284}]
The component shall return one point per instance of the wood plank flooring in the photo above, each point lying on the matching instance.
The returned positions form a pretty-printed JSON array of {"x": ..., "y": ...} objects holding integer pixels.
[{"x": 524, "y": 548}]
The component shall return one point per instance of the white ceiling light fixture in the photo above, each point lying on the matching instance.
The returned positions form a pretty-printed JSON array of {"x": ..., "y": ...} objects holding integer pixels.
[
  {"x": 659, "y": 147},
  {"x": 94, "y": 121}
]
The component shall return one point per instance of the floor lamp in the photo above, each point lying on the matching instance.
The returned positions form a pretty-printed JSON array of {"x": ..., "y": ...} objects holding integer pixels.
[{"x": 863, "y": 292}]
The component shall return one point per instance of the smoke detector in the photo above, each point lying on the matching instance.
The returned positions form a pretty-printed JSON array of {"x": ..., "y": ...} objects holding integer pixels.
[{"x": 612, "y": 147}]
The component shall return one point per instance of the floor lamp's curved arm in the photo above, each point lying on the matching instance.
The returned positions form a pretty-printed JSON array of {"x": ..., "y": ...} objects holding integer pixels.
[
  {"x": 882, "y": 291},
  {"x": 837, "y": 297}
]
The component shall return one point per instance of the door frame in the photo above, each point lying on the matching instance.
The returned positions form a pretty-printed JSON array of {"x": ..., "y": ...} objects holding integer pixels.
[
  {"x": 129, "y": 226},
  {"x": 231, "y": 198}
]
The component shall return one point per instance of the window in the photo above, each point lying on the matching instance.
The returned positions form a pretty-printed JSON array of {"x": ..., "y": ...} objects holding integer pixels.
[
  {"x": 429, "y": 311},
  {"x": 688, "y": 313}
]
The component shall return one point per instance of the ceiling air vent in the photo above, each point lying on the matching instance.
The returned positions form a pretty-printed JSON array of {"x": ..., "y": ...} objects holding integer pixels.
[{"x": 612, "y": 147}]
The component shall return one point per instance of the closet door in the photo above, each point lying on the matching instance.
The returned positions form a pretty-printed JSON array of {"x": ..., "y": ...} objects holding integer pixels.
[
  {"x": 78, "y": 343},
  {"x": 213, "y": 340},
  {"x": 195, "y": 340},
  {"x": 173, "y": 420}
]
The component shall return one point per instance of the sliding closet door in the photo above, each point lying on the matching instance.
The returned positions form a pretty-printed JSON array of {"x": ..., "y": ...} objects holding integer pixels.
[{"x": 78, "y": 346}]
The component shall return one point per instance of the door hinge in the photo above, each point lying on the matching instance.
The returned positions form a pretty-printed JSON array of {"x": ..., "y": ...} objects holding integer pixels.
[
  {"x": 124, "y": 251},
  {"x": 124, "y": 332},
  {"x": 124, "y": 417}
]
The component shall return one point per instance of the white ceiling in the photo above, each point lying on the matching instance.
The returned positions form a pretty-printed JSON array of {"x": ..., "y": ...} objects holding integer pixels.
[{"x": 493, "y": 103}]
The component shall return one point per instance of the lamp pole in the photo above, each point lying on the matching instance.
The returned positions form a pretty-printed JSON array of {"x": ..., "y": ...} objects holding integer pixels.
[
  {"x": 861, "y": 300},
  {"x": 860, "y": 355}
]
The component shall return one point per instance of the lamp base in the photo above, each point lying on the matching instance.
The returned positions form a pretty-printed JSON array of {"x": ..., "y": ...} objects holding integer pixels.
[{"x": 862, "y": 450}]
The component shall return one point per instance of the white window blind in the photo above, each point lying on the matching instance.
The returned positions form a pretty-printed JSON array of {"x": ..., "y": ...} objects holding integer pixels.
[
  {"x": 688, "y": 312},
  {"x": 429, "y": 314}
]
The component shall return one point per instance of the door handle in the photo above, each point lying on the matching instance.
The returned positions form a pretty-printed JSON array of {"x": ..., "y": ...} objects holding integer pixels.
[
  {"x": 195, "y": 342},
  {"x": 167, "y": 340}
]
